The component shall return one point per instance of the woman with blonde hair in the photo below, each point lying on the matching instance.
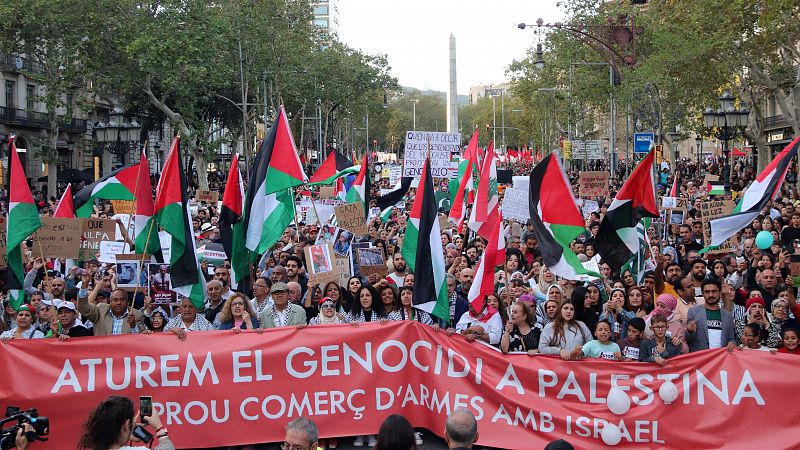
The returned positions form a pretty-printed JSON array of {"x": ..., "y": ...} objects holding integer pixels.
[{"x": 237, "y": 314}]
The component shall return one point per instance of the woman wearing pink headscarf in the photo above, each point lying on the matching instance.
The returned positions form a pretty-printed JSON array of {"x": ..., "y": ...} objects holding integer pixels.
[{"x": 665, "y": 306}]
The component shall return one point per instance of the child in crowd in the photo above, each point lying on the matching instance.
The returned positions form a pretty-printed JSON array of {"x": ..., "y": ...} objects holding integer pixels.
[
  {"x": 602, "y": 347},
  {"x": 753, "y": 336},
  {"x": 629, "y": 346},
  {"x": 790, "y": 341}
]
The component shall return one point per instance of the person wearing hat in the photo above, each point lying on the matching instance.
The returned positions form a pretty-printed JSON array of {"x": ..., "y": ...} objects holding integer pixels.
[
  {"x": 756, "y": 312},
  {"x": 68, "y": 325},
  {"x": 24, "y": 330},
  {"x": 327, "y": 309},
  {"x": 282, "y": 313}
]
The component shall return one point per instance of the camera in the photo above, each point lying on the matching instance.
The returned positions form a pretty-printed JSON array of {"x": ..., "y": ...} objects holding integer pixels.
[{"x": 8, "y": 436}]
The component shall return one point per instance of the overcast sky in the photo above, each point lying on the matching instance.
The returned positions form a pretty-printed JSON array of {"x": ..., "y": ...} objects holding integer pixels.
[{"x": 414, "y": 34}]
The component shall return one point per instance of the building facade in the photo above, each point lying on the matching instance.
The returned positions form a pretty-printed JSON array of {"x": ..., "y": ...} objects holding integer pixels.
[{"x": 326, "y": 15}]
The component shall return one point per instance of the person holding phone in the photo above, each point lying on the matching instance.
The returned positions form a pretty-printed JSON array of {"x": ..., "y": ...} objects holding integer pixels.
[{"x": 112, "y": 425}]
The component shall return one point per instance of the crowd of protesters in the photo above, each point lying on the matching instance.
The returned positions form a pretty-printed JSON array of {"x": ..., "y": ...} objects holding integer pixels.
[{"x": 684, "y": 301}]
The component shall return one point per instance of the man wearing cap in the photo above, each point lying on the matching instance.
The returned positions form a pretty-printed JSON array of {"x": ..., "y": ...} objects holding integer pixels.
[
  {"x": 282, "y": 313},
  {"x": 68, "y": 325}
]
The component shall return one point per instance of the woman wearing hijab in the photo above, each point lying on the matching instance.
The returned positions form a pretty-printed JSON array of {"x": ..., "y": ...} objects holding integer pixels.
[
  {"x": 554, "y": 294},
  {"x": 665, "y": 306},
  {"x": 616, "y": 315},
  {"x": 756, "y": 313}
]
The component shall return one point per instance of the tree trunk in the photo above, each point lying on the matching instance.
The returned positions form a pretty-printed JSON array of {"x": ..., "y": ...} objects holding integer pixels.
[{"x": 178, "y": 121}]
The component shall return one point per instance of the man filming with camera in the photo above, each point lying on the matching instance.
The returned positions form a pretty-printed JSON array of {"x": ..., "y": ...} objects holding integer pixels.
[{"x": 112, "y": 425}]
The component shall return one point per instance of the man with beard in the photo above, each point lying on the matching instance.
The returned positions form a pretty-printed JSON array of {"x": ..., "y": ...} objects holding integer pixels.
[
  {"x": 708, "y": 325},
  {"x": 666, "y": 273},
  {"x": 698, "y": 273},
  {"x": 686, "y": 298},
  {"x": 687, "y": 238},
  {"x": 293, "y": 266},
  {"x": 57, "y": 285},
  {"x": 223, "y": 275},
  {"x": 399, "y": 273}
]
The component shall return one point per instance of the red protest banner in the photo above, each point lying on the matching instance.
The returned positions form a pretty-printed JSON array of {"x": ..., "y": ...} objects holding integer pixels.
[{"x": 220, "y": 388}]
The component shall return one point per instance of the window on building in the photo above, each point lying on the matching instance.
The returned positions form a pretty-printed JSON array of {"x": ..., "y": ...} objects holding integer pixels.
[
  {"x": 321, "y": 10},
  {"x": 30, "y": 97},
  {"x": 11, "y": 91},
  {"x": 321, "y": 23}
]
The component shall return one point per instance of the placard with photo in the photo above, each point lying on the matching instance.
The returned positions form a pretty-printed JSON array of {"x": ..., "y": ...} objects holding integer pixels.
[{"x": 160, "y": 284}]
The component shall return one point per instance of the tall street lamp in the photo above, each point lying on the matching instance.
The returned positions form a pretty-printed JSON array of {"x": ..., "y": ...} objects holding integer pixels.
[
  {"x": 726, "y": 124},
  {"x": 414, "y": 113},
  {"x": 698, "y": 141},
  {"x": 116, "y": 136}
]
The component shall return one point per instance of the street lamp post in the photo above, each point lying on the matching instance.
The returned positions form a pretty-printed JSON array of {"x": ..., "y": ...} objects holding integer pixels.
[
  {"x": 726, "y": 124},
  {"x": 116, "y": 136},
  {"x": 414, "y": 113},
  {"x": 698, "y": 140}
]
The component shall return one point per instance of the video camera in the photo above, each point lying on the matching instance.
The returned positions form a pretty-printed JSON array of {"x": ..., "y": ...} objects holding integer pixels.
[{"x": 8, "y": 436}]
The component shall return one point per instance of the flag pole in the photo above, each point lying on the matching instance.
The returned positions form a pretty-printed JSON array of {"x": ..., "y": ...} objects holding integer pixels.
[
  {"x": 141, "y": 268},
  {"x": 44, "y": 264},
  {"x": 132, "y": 222}
]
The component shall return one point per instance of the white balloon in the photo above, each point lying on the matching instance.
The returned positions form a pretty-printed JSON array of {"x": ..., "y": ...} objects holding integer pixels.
[
  {"x": 668, "y": 392},
  {"x": 611, "y": 434},
  {"x": 618, "y": 401}
]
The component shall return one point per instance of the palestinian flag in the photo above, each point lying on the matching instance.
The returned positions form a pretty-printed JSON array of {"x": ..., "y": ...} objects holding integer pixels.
[
  {"x": 556, "y": 219},
  {"x": 483, "y": 284},
  {"x": 674, "y": 191},
  {"x": 389, "y": 200},
  {"x": 616, "y": 240},
  {"x": 145, "y": 231},
  {"x": 760, "y": 192},
  {"x": 171, "y": 212},
  {"x": 335, "y": 166},
  {"x": 65, "y": 209},
  {"x": 486, "y": 208},
  {"x": 118, "y": 185},
  {"x": 359, "y": 191},
  {"x": 22, "y": 221},
  {"x": 283, "y": 168},
  {"x": 637, "y": 262},
  {"x": 464, "y": 192},
  {"x": 231, "y": 225},
  {"x": 715, "y": 187},
  {"x": 422, "y": 250}
]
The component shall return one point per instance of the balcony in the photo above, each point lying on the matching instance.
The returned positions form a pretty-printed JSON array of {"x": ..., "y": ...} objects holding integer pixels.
[
  {"x": 16, "y": 63},
  {"x": 772, "y": 122},
  {"x": 31, "y": 119}
]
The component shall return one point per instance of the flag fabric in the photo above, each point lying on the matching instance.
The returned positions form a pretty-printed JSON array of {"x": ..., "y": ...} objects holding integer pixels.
[
  {"x": 637, "y": 262},
  {"x": 556, "y": 219},
  {"x": 359, "y": 191},
  {"x": 616, "y": 240},
  {"x": 335, "y": 166},
  {"x": 483, "y": 283},
  {"x": 118, "y": 185},
  {"x": 283, "y": 167},
  {"x": 486, "y": 208},
  {"x": 171, "y": 212},
  {"x": 422, "y": 250},
  {"x": 22, "y": 221},
  {"x": 464, "y": 192},
  {"x": 231, "y": 224},
  {"x": 145, "y": 231},
  {"x": 715, "y": 187},
  {"x": 389, "y": 200},
  {"x": 760, "y": 192},
  {"x": 65, "y": 209},
  {"x": 674, "y": 191}
]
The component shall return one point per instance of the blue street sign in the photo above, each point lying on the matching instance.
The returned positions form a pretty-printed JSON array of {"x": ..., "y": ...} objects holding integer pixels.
[{"x": 643, "y": 142}]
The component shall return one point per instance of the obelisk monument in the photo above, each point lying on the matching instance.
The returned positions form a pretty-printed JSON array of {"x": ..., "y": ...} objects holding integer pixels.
[{"x": 452, "y": 92}]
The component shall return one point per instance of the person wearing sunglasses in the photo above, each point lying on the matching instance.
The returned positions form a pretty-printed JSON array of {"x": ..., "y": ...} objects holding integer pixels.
[{"x": 327, "y": 313}]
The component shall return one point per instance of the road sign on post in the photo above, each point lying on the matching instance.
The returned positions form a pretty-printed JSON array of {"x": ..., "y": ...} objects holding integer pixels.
[{"x": 643, "y": 142}]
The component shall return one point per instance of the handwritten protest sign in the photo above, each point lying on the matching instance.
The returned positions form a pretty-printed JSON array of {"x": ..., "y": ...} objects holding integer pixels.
[
  {"x": 95, "y": 231},
  {"x": 109, "y": 251},
  {"x": 124, "y": 206},
  {"x": 444, "y": 150},
  {"x": 710, "y": 210},
  {"x": 341, "y": 265},
  {"x": 350, "y": 216},
  {"x": 515, "y": 205},
  {"x": 58, "y": 237},
  {"x": 326, "y": 192},
  {"x": 206, "y": 196},
  {"x": 593, "y": 184}
]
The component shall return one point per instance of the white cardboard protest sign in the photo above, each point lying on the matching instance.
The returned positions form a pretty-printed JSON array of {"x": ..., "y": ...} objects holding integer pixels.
[
  {"x": 515, "y": 205},
  {"x": 109, "y": 251},
  {"x": 444, "y": 148}
]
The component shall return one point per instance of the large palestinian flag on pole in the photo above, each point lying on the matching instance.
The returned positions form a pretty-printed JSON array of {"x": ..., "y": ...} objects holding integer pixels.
[
  {"x": 335, "y": 165},
  {"x": 556, "y": 219},
  {"x": 617, "y": 239},
  {"x": 422, "y": 250},
  {"x": 487, "y": 201},
  {"x": 464, "y": 193},
  {"x": 269, "y": 206},
  {"x": 172, "y": 214},
  {"x": 483, "y": 284},
  {"x": 118, "y": 185},
  {"x": 231, "y": 225},
  {"x": 760, "y": 192},
  {"x": 145, "y": 231},
  {"x": 22, "y": 221},
  {"x": 359, "y": 191}
]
